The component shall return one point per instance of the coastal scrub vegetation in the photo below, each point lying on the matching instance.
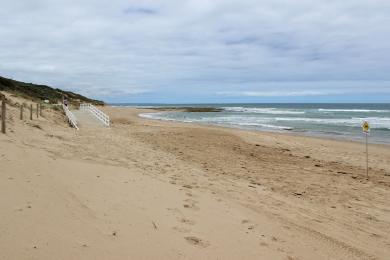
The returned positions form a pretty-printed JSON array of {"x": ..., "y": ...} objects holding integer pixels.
[{"x": 42, "y": 92}]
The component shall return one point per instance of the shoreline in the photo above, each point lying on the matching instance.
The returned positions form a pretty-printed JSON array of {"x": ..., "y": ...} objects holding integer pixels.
[
  {"x": 286, "y": 132},
  {"x": 289, "y": 139}
]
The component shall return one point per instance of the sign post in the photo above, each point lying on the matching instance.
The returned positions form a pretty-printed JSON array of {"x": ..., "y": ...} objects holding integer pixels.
[{"x": 366, "y": 130}]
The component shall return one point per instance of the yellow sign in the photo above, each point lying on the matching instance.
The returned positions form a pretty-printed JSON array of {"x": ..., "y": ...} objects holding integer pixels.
[{"x": 366, "y": 127}]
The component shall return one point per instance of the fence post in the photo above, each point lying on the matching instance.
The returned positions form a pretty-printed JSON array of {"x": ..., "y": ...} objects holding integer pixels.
[
  {"x": 31, "y": 109},
  {"x": 3, "y": 115},
  {"x": 21, "y": 111},
  {"x": 37, "y": 110},
  {"x": 40, "y": 110}
]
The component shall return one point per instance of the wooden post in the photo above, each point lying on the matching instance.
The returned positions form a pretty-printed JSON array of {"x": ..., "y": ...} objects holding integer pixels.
[
  {"x": 37, "y": 110},
  {"x": 31, "y": 109},
  {"x": 40, "y": 110},
  {"x": 21, "y": 111},
  {"x": 3, "y": 115}
]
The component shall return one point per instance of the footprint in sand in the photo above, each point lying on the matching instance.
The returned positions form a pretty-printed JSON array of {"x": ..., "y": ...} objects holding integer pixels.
[
  {"x": 191, "y": 204},
  {"x": 175, "y": 211},
  {"x": 196, "y": 241},
  {"x": 250, "y": 226},
  {"x": 188, "y": 186},
  {"x": 187, "y": 221},
  {"x": 182, "y": 229}
]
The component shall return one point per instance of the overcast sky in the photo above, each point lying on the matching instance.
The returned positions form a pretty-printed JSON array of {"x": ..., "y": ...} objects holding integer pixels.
[{"x": 201, "y": 51}]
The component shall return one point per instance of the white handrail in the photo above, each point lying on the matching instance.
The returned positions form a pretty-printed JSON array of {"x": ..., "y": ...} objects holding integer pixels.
[
  {"x": 71, "y": 117},
  {"x": 105, "y": 119}
]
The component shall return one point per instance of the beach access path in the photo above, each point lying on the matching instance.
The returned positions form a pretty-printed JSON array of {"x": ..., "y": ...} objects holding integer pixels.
[{"x": 86, "y": 119}]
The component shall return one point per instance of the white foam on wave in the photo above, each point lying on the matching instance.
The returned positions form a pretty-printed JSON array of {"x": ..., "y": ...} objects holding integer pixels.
[
  {"x": 353, "y": 110},
  {"x": 274, "y": 111},
  {"x": 150, "y": 115},
  {"x": 226, "y": 120},
  {"x": 266, "y": 126},
  {"x": 273, "y": 122},
  {"x": 158, "y": 116},
  {"x": 163, "y": 116},
  {"x": 376, "y": 122}
]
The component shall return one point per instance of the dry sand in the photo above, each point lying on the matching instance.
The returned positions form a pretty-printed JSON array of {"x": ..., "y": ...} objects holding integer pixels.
[{"x": 145, "y": 189}]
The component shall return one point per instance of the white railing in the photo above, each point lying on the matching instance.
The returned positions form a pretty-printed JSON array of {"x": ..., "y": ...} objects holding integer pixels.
[
  {"x": 71, "y": 117},
  {"x": 105, "y": 119}
]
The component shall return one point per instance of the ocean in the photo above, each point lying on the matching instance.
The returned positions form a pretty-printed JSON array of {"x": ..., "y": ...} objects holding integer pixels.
[{"x": 341, "y": 121}]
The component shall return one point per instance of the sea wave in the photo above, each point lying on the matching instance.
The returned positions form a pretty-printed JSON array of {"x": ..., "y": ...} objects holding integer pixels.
[
  {"x": 379, "y": 123},
  {"x": 226, "y": 120},
  {"x": 150, "y": 115},
  {"x": 376, "y": 122},
  {"x": 274, "y": 111},
  {"x": 158, "y": 115},
  {"x": 354, "y": 110},
  {"x": 266, "y": 126},
  {"x": 164, "y": 116}
]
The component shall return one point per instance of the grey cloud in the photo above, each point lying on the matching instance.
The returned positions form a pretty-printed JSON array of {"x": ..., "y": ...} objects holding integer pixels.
[
  {"x": 140, "y": 10},
  {"x": 202, "y": 47}
]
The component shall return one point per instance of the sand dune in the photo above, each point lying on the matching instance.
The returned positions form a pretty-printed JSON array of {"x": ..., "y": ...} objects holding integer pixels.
[{"x": 146, "y": 189}]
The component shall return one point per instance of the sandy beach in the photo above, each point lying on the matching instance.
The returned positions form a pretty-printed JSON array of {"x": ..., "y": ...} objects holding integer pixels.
[{"x": 147, "y": 189}]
